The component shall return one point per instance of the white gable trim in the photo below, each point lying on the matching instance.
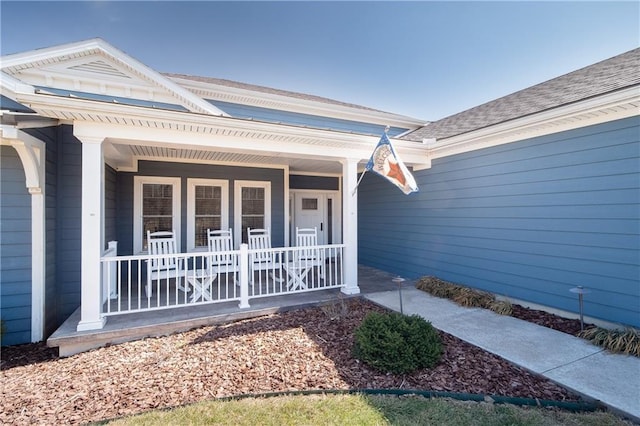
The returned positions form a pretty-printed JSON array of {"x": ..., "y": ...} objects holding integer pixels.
[
  {"x": 93, "y": 46},
  {"x": 13, "y": 85}
]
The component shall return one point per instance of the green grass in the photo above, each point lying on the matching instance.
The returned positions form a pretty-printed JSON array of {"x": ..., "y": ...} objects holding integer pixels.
[{"x": 364, "y": 410}]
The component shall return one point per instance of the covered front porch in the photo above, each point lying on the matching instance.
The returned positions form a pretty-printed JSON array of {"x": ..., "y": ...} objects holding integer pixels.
[
  {"x": 186, "y": 178},
  {"x": 149, "y": 185},
  {"x": 131, "y": 151},
  {"x": 150, "y": 323}
]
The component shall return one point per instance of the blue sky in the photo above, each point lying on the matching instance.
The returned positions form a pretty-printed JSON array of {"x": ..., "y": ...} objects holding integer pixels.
[{"x": 423, "y": 59}]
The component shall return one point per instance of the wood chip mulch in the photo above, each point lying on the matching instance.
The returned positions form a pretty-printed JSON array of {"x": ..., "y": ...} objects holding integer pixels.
[{"x": 296, "y": 350}]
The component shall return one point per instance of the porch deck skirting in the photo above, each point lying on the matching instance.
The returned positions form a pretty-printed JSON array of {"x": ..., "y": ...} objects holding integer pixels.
[{"x": 130, "y": 285}]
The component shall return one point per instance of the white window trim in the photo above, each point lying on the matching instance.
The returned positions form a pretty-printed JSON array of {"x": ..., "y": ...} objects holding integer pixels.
[
  {"x": 138, "y": 181},
  {"x": 237, "y": 205},
  {"x": 191, "y": 206}
]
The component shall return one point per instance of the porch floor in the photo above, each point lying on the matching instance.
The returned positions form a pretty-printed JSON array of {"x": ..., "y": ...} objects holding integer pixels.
[{"x": 134, "y": 326}]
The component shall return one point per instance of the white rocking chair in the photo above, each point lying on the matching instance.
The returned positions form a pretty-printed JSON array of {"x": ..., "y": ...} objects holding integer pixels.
[
  {"x": 220, "y": 242},
  {"x": 263, "y": 259},
  {"x": 163, "y": 268},
  {"x": 310, "y": 255}
]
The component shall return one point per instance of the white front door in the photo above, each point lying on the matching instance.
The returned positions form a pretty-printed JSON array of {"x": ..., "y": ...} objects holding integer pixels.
[{"x": 310, "y": 212}]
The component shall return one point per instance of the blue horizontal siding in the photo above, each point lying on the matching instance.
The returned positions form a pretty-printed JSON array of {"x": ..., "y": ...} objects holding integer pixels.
[
  {"x": 15, "y": 249},
  {"x": 51, "y": 315},
  {"x": 68, "y": 208},
  {"x": 529, "y": 220}
]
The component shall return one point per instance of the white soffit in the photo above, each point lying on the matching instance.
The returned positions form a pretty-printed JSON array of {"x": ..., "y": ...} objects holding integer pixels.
[
  {"x": 96, "y": 67},
  {"x": 125, "y": 157}
]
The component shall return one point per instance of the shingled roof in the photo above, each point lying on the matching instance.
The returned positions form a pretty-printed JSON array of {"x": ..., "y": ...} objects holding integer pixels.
[
  {"x": 607, "y": 76},
  {"x": 267, "y": 90}
]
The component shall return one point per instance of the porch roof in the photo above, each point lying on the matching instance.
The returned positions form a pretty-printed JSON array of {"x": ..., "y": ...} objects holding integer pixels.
[{"x": 142, "y": 114}]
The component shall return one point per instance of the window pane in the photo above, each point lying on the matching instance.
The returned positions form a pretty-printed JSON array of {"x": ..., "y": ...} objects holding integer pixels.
[
  {"x": 208, "y": 200},
  {"x": 253, "y": 222},
  {"x": 253, "y": 209},
  {"x": 155, "y": 224},
  {"x": 330, "y": 221},
  {"x": 309, "y": 204},
  {"x": 251, "y": 193},
  {"x": 202, "y": 224},
  {"x": 208, "y": 211},
  {"x": 157, "y": 200}
]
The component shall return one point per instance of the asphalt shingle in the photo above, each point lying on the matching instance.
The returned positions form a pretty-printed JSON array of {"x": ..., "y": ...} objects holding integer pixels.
[{"x": 612, "y": 74}]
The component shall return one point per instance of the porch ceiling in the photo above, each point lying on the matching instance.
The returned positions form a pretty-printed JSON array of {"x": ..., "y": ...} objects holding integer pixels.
[{"x": 124, "y": 157}]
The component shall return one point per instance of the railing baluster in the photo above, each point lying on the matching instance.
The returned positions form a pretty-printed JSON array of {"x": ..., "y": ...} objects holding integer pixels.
[{"x": 324, "y": 266}]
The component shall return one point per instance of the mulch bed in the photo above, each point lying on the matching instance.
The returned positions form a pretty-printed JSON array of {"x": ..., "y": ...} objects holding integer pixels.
[{"x": 296, "y": 350}]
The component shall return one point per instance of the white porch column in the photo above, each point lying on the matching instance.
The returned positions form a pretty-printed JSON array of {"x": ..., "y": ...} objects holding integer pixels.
[
  {"x": 92, "y": 212},
  {"x": 350, "y": 225},
  {"x": 32, "y": 155}
]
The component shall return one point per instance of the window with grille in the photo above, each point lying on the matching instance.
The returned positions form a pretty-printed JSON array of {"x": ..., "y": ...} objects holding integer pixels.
[
  {"x": 208, "y": 201},
  {"x": 253, "y": 206},
  {"x": 156, "y": 208},
  {"x": 309, "y": 204},
  {"x": 207, "y": 208}
]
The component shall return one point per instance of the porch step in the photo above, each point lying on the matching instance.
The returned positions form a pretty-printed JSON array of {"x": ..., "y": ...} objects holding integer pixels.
[{"x": 129, "y": 327}]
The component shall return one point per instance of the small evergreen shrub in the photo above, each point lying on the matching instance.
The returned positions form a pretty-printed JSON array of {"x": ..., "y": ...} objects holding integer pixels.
[{"x": 396, "y": 343}]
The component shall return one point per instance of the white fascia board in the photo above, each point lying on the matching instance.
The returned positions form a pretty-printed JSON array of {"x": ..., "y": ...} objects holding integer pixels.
[
  {"x": 11, "y": 86},
  {"x": 236, "y": 136},
  {"x": 38, "y": 55},
  {"x": 190, "y": 140},
  {"x": 91, "y": 108},
  {"x": 326, "y": 143},
  {"x": 303, "y": 106},
  {"x": 543, "y": 123},
  {"x": 196, "y": 103},
  {"x": 56, "y": 106}
]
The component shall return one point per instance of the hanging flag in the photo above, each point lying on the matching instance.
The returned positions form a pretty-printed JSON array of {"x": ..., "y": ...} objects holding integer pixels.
[{"x": 386, "y": 163}]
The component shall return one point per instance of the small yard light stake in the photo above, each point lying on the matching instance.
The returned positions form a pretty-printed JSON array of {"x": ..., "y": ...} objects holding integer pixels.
[
  {"x": 399, "y": 280},
  {"x": 581, "y": 291}
]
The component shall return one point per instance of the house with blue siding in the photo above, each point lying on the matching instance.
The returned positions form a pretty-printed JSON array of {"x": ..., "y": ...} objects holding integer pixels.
[{"x": 527, "y": 196}]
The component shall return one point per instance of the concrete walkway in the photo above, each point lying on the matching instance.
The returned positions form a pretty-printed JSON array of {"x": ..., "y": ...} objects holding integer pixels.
[{"x": 574, "y": 363}]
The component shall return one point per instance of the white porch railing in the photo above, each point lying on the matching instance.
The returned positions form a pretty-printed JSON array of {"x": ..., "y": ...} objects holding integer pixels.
[{"x": 128, "y": 284}]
